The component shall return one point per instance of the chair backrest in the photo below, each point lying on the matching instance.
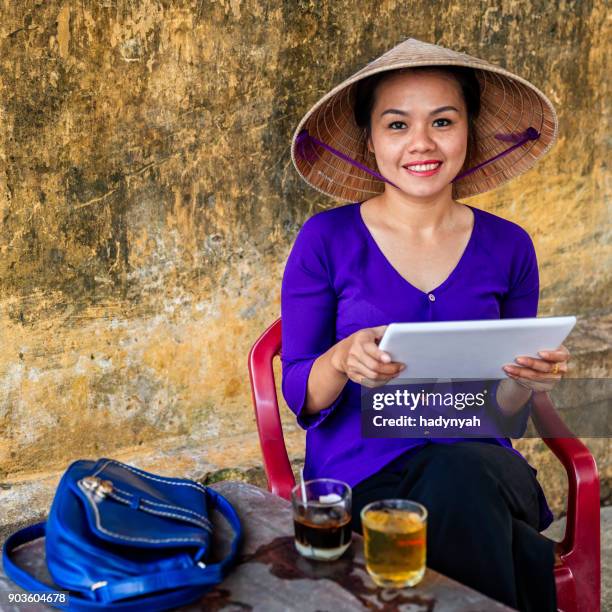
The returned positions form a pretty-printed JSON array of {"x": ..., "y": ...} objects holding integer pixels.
[{"x": 261, "y": 372}]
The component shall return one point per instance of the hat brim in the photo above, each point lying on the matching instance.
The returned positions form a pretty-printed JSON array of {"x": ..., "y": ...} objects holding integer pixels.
[{"x": 509, "y": 105}]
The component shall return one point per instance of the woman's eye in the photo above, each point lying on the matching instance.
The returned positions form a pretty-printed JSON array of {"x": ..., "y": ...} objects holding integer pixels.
[{"x": 401, "y": 124}]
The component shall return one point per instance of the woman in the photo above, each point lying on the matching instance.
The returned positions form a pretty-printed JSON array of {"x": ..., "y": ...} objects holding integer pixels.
[{"x": 406, "y": 250}]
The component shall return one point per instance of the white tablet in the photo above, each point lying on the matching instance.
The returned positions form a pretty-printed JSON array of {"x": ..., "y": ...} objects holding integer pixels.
[{"x": 471, "y": 349}]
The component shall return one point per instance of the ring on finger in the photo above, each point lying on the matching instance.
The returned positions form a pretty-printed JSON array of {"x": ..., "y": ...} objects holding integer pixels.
[{"x": 555, "y": 369}]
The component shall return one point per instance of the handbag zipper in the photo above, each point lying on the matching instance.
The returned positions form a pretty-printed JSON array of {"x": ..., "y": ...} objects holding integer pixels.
[{"x": 104, "y": 488}]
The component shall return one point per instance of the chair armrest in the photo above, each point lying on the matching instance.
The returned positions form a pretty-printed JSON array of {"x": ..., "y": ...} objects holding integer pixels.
[
  {"x": 261, "y": 372},
  {"x": 273, "y": 449},
  {"x": 580, "y": 547},
  {"x": 278, "y": 469}
]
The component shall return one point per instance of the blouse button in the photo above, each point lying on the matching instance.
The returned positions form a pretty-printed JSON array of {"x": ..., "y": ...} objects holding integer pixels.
[{"x": 432, "y": 297}]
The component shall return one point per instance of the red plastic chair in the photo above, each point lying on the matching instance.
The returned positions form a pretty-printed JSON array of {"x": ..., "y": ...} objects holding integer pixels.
[{"x": 578, "y": 578}]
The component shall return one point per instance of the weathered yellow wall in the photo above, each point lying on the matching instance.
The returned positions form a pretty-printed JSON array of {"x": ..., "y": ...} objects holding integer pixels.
[{"x": 148, "y": 201}]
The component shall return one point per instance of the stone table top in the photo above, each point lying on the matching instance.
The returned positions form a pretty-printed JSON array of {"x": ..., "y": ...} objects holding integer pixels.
[{"x": 272, "y": 577}]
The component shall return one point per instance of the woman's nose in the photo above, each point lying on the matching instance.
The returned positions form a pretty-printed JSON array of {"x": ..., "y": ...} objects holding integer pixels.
[{"x": 420, "y": 139}]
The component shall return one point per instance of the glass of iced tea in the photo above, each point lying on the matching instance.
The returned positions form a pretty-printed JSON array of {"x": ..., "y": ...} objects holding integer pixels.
[
  {"x": 394, "y": 532},
  {"x": 322, "y": 518}
]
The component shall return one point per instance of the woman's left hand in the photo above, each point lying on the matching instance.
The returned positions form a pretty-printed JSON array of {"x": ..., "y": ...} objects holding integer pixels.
[{"x": 540, "y": 374}]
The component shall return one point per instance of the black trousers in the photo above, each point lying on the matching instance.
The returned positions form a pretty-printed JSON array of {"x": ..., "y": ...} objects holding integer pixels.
[{"x": 483, "y": 515}]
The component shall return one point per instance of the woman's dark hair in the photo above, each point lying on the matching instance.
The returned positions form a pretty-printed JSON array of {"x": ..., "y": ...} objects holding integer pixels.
[{"x": 365, "y": 96}]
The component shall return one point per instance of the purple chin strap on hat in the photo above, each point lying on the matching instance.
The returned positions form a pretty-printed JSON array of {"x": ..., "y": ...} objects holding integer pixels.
[{"x": 305, "y": 147}]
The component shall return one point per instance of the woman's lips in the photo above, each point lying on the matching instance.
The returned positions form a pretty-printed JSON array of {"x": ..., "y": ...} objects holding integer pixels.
[{"x": 423, "y": 173}]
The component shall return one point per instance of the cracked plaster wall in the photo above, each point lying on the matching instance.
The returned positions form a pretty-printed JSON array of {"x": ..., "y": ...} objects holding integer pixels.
[{"x": 148, "y": 201}]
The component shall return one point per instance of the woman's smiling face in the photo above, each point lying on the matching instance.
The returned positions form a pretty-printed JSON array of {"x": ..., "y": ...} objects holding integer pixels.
[{"x": 419, "y": 117}]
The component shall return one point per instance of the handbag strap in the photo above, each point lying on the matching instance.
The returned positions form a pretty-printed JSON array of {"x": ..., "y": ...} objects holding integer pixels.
[{"x": 196, "y": 577}]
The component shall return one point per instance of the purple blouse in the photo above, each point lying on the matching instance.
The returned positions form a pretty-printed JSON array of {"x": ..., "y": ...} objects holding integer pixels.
[{"x": 337, "y": 281}]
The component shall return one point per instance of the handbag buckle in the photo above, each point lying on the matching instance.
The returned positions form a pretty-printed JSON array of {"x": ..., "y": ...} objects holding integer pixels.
[{"x": 100, "y": 488}]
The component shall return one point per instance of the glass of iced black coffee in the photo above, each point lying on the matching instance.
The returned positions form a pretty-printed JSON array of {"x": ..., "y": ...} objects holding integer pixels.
[{"x": 322, "y": 518}]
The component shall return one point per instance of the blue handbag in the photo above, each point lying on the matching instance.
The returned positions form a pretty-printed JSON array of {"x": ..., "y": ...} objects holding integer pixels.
[{"x": 119, "y": 537}]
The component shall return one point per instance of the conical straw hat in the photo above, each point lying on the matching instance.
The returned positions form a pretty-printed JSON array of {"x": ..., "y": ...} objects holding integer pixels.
[{"x": 512, "y": 110}]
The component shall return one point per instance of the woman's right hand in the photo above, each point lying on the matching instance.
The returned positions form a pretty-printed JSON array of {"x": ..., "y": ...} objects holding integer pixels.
[{"x": 358, "y": 357}]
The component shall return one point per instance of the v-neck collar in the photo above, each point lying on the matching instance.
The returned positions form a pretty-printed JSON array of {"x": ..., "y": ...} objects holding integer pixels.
[{"x": 453, "y": 272}]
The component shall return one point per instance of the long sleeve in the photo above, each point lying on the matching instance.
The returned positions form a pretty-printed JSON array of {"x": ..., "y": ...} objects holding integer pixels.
[
  {"x": 308, "y": 313},
  {"x": 521, "y": 301},
  {"x": 523, "y": 293}
]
